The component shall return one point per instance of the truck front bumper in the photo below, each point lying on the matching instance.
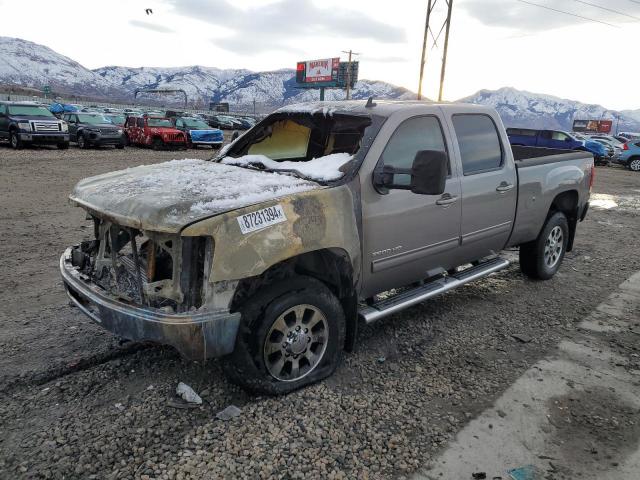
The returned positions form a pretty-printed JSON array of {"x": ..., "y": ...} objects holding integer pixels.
[
  {"x": 197, "y": 335},
  {"x": 44, "y": 138}
]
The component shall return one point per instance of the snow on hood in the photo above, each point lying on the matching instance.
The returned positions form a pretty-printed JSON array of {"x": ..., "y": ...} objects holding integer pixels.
[
  {"x": 167, "y": 196},
  {"x": 323, "y": 169}
]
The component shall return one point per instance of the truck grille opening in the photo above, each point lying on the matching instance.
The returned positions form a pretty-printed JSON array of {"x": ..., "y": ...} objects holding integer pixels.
[{"x": 145, "y": 268}]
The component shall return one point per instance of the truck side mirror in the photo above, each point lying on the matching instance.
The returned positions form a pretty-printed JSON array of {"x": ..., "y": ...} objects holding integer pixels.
[
  {"x": 235, "y": 135},
  {"x": 429, "y": 172}
]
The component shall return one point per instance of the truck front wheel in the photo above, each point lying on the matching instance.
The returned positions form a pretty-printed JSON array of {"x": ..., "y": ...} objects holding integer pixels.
[
  {"x": 157, "y": 144},
  {"x": 541, "y": 259},
  {"x": 291, "y": 335},
  {"x": 14, "y": 140}
]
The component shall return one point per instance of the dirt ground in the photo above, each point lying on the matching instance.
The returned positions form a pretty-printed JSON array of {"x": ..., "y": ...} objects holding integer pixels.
[{"x": 75, "y": 403}]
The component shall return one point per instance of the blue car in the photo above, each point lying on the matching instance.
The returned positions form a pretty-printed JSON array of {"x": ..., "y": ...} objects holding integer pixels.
[
  {"x": 558, "y": 139},
  {"x": 199, "y": 133},
  {"x": 630, "y": 155}
]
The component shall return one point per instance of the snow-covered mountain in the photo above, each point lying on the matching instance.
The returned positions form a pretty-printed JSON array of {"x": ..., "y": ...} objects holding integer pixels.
[
  {"x": 32, "y": 65},
  {"x": 28, "y": 64},
  {"x": 525, "y": 109},
  {"x": 238, "y": 87}
]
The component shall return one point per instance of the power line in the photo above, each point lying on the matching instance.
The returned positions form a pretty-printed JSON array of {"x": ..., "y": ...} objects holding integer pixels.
[
  {"x": 567, "y": 13},
  {"x": 608, "y": 9}
]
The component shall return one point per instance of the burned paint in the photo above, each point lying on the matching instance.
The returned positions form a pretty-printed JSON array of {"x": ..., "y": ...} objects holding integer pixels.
[{"x": 316, "y": 220}]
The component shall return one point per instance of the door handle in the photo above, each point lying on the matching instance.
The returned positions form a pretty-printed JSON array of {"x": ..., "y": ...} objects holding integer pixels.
[
  {"x": 504, "y": 187},
  {"x": 446, "y": 200}
]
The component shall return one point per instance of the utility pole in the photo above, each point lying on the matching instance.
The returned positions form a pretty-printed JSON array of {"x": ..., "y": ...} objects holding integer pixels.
[
  {"x": 424, "y": 49},
  {"x": 350, "y": 52},
  {"x": 446, "y": 47},
  {"x": 445, "y": 26}
]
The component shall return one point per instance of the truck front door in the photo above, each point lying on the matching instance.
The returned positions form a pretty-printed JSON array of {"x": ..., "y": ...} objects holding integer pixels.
[
  {"x": 489, "y": 185},
  {"x": 408, "y": 237}
]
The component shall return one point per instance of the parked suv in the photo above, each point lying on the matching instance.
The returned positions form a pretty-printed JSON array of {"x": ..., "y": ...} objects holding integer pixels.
[
  {"x": 630, "y": 155},
  {"x": 198, "y": 132},
  {"x": 154, "y": 132},
  {"x": 28, "y": 123},
  {"x": 87, "y": 129}
]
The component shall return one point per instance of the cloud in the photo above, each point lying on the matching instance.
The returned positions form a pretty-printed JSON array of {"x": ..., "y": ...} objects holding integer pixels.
[
  {"x": 150, "y": 26},
  {"x": 267, "y": 27},
  {"x": 525, "y": 17}
]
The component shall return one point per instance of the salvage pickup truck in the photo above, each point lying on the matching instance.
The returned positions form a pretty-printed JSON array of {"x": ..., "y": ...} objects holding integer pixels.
[{"x": 318, "y": 218}]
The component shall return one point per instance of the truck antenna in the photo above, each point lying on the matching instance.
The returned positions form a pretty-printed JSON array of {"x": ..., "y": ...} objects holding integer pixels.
[{"x": 370, "y": 103}]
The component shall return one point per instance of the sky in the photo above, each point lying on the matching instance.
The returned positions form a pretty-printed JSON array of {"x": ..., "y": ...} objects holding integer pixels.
[{"x": 493, "y": 43}]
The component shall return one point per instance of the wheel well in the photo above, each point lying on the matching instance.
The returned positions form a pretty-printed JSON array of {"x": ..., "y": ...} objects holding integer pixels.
[
  {"x": 567, "y": 203},
  {"x": 331, "y": 266}
]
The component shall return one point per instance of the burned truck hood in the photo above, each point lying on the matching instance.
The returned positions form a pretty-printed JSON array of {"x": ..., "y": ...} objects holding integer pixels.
[{"x": 165, "y": 197}]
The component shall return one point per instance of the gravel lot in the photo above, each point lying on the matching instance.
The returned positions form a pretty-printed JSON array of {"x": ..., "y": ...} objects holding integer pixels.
[{"x": 74, "y": 403}]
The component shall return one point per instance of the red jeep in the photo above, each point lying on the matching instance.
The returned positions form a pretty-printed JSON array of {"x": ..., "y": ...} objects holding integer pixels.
[{"x": 156, "y": 132}]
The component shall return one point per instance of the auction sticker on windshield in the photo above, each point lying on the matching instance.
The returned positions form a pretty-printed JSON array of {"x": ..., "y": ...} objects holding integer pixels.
[{"x": 261, "y": 219}]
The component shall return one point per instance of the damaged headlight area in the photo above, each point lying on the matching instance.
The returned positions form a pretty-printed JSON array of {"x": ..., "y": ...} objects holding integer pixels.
[{"x": 149, "y": 269}]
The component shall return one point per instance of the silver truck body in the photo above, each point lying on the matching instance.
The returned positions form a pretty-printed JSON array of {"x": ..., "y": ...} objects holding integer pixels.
[{"x": 349, "y": 234}]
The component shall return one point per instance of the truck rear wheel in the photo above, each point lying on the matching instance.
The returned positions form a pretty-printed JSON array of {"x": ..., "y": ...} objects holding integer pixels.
[
  {"x": 541, "y": 259},
  {"x": 291, "y": 335}
]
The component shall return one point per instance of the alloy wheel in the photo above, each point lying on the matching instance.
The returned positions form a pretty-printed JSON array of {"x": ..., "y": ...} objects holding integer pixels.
[
  {"x": 296, "y": 343},
  {"x": 553, "y": 247}
]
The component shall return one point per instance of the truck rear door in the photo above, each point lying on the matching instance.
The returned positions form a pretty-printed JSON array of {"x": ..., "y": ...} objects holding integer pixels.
[
  {"x": 408, "y": 236},
  {"x": 488, "y": 182}
]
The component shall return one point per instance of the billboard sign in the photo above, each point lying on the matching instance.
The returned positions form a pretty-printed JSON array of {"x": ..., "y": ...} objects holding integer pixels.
[
  {"x": 593, "y": 126},
  {"x": 318, "y": 73}
]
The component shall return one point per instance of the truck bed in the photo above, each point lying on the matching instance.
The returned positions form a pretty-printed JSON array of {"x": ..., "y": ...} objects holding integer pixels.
[
  {"x": 542, "y": 175},
  {"x": 531, "y": 156}
]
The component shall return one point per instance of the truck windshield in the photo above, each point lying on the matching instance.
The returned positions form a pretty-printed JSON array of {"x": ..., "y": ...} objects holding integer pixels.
[
  {"x": 92, "y": 119},
  {"x": 303, "y": 144},
  {"x": 116, "y": 119},
  {"x": 194, "y": 123},
  {"x": 29, "y": 110},
  {"x": 159, "y": 122}
]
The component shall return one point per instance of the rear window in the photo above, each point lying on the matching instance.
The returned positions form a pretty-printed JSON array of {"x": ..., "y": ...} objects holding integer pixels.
[
  {"x": 480, "y": 147},
  {"x": 522, "y": 132}
]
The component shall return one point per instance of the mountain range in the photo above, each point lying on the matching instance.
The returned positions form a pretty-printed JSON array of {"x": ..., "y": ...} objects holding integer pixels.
[{"x": 28, "y": 64}]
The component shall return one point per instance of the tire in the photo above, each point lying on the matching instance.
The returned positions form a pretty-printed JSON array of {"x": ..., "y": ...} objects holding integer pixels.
[
  {"x": 276, "y": 333},
  {"x": 634, "y": 164},
  {"x": 541, "y": 259},
  {"x": 63, "y": 146},
  {"x": 14, "y": 140},
  {"x": 127, "y": 142},
  {"x": 82, "y": 142},
  {"x": 120, "y": 146},
  {"x": 157, "y": 144}
]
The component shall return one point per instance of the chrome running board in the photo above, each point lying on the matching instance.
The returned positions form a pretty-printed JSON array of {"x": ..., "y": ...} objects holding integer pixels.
[{"x": 389, "y": 306}]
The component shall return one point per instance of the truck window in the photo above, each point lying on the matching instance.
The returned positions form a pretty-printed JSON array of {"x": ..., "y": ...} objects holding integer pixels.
[
  {"x": 559, "y": 136},
  {"x": 3, "y": 109},
  {"x": 140, "y": 122},
  {"x": 480, "y": 147},
  {"x": 413, "y": 135}
]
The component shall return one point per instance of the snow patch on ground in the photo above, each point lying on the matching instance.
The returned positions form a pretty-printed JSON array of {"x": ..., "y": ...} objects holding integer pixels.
[{"x": 323, "y": 169}]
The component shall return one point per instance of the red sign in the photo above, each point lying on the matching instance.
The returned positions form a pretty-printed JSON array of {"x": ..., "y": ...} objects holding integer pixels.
[{"x": 318, "y": 71}]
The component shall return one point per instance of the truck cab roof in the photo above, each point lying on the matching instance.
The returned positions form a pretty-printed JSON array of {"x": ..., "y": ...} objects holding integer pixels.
[{"x": 383, "y": 108}]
